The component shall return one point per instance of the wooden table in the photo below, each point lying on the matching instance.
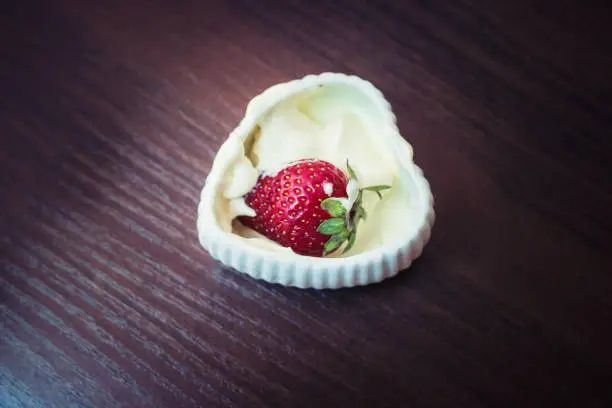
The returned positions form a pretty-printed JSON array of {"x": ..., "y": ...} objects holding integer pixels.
[{"x": 111, "y": 115}]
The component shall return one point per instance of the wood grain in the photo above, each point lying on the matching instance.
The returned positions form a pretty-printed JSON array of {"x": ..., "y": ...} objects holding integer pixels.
[{"x": 112, "y": 113}]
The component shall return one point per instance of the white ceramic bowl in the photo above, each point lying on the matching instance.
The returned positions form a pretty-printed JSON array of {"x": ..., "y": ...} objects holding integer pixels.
[{"x": 309, "y": 272}]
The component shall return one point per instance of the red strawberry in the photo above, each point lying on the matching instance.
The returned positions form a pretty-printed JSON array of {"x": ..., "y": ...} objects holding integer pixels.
[{"x": 294, "y": 209}]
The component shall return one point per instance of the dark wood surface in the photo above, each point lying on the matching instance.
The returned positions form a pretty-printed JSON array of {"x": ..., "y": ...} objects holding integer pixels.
[{"x": 110, "y": 117}]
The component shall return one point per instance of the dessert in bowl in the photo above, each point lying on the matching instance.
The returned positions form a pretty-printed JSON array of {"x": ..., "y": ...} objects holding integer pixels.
[{"x": 317, "y": 188}]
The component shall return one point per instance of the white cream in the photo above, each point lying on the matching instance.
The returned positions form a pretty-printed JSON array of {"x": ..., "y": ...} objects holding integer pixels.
[
  {"x": 332, "y": 123},
  {"x": 328, "y": 188}
]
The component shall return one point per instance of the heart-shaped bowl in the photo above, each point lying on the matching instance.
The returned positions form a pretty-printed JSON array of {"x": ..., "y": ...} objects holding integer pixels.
[{"x": 402, "y": 228}]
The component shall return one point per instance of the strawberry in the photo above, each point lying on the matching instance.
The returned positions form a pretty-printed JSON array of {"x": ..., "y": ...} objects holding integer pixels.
[{"x": 311, "y": 206}]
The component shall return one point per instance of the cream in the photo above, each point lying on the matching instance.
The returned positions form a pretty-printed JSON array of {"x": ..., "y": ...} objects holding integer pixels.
[
  {"x": 332, "y": 123},
  {"x": 328, "y": 188}
]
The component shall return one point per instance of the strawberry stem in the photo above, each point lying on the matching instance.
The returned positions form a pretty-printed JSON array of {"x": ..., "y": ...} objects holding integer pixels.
[{"x": 342, "y": 227}]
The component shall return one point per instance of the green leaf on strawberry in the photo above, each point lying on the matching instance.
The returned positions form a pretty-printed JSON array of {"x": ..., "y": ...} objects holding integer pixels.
[
  {"x": 332, "y": 226},
  {"x": 333, "y": 207},
  {"x": 351, "y": 172},
  {"x": 360, "y": 214},
  {"x": 334, "y": 243},
  {"x": 351, "y": 241},
  {"x": 377, "y": 189}
]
